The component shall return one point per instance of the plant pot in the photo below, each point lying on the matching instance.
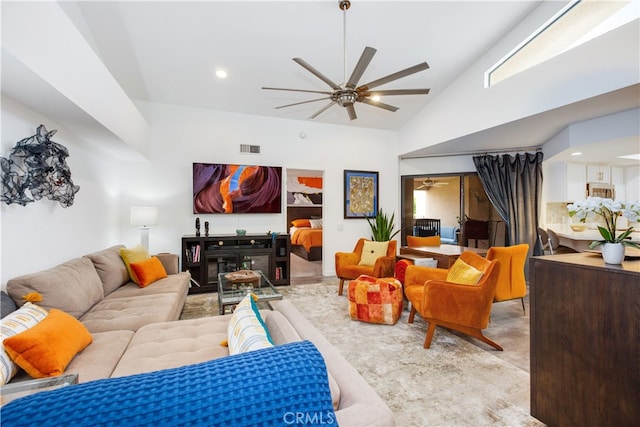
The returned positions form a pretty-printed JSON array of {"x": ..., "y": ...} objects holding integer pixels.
[{"x": 613, "y": 253}]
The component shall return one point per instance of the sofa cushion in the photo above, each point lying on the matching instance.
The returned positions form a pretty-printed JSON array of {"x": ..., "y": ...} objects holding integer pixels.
[
  {"x": 173, "y": 344},
  {"x": 73, "y": 287},
  {"x": 27, "y": 316},
  {"x": 99, "y": 359},
  {"x": 46, "y": 349},
  {"x": 131, "y": 313},
  {"x": 247, "y": 331},
  {"x": 7, "y": 304},
  {"x": 148, "y": 271},
  {"x": 280, "y": 330},
  {"x": 131, "y": 255},
  {"x": 110, "y": 267},
  {"x": 172, "y": 284}
]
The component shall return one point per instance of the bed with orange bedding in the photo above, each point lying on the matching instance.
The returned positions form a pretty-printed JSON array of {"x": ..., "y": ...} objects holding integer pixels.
[
  {"x": 306, "y": 231},
  {"x": 307, "y": 242}
]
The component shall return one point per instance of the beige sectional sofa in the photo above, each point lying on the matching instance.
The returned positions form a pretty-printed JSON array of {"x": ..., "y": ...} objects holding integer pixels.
[{"x": 135, "y": 330}]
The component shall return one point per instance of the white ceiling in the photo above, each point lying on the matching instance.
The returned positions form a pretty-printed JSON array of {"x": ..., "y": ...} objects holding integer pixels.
[{"x": 168, "y": 52}]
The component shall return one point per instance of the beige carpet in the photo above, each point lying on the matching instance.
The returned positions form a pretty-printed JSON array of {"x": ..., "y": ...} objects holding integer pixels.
[{"x": 454, "y": 383}]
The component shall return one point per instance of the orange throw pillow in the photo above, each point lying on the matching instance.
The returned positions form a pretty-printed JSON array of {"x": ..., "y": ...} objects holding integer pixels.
[
  {"x": 301, "y": 223},
  {"x": 46, "y": 349},
  {"x": 148, "y": 271}
]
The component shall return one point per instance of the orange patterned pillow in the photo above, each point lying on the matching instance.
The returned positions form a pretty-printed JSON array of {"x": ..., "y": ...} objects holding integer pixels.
[
  {"x": 148, "y": 271},
  {"x": 46, "y": 349}
]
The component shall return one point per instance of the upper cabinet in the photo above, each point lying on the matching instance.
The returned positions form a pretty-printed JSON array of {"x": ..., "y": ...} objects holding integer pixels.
[
  {"x": 598, "y": 173},
  {"x": 576, "y": 181}
]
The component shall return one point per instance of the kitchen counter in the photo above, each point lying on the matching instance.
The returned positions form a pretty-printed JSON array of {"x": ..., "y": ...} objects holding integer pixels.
[{"x": 579, "y": 240}]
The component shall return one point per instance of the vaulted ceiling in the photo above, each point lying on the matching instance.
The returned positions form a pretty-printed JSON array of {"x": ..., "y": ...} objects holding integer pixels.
[{"x": 169, "y": 51}]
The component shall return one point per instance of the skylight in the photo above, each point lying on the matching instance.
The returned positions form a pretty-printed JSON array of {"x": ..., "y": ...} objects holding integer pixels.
[{"x": 578, "y": 22}]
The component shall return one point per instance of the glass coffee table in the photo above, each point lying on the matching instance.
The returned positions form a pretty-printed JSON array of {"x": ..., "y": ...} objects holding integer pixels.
[{"x": 233, "y": 287}]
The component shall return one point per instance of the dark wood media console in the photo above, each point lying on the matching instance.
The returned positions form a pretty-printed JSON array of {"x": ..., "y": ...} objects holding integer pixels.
[
  {"x": 585, "y": 340},
  {"x": 206, "y": 256}
]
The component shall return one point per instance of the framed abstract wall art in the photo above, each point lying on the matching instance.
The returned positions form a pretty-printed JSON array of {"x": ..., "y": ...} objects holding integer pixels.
[{"x": 360, "y": 194}]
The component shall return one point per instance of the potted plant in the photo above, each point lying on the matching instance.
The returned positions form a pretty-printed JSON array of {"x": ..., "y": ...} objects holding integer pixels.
[
  {"x": 609, "y": 210},
  {"x": 382, "y": 227}
]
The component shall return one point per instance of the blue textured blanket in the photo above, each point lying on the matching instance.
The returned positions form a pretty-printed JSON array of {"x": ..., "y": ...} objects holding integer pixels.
[{"x": 285, "y": 385}]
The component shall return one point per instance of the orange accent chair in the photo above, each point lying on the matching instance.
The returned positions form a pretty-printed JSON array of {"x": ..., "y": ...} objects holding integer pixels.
[
  {"x": 415, "y": 241},
  {"x": 347, "y": 267},
  {"x": 511, "y": 280},
  {"x": 464, "y": 308}
]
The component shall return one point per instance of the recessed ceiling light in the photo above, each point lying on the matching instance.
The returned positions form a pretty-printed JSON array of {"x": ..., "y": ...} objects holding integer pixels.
[
  {"x": 577, "y": 153},
  {"x": 221, "y": 74},
  {"x": 630, "y": 156}
]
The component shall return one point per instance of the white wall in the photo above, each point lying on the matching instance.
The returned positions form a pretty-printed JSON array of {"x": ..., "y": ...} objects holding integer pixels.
[
  {"x": 43, "y": 233},
  {"x": 467, "y": 107},
  {"x": 182, "y": 135}
]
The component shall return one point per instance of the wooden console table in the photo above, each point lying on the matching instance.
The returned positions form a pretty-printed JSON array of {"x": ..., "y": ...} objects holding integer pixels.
[{"x": 585, "y": 340}]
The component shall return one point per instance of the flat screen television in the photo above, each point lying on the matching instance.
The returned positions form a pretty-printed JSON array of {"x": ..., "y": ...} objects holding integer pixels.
[{"x": 228, "y": 189}]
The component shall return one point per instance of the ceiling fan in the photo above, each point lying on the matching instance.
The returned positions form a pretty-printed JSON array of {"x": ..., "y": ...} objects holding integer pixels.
[
  {"x": 429, "y": 183},
  {"x": 347, "y": 94}
]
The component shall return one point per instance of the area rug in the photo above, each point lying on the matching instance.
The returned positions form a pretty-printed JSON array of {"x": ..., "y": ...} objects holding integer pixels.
[{"x": 454, "y": 383}]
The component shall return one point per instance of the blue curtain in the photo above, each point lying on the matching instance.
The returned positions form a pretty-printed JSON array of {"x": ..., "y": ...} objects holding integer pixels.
[{"x": 514, "y": 186}]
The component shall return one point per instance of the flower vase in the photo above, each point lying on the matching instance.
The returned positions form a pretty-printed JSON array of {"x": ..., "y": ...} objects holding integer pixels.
[{"x": 613, "y": 253}]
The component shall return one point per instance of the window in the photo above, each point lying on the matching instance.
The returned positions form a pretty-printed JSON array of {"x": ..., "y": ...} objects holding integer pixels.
[{"x": 576, "y": 23}]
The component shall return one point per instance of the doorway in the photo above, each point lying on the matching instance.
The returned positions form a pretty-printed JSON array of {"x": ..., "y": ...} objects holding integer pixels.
[
  {"x": 304, "y": 189},
  {"x": 458, "y": 201}
]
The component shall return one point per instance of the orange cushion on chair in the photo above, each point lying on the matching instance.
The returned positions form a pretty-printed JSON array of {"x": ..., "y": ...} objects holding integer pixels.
[{"x": 375, "y": 300}]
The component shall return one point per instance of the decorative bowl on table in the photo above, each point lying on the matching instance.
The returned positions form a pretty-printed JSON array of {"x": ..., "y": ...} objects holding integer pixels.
[
  {"x": 578, "y": 227},
  {"x": 242, "y": 276},
  {"x": 241, "y": 232}
]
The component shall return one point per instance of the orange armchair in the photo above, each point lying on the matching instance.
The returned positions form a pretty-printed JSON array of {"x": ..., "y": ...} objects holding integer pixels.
[
  {"x": 511, "y": 281},
  {"x": 465, "y": 308},
  {"x": 348, "y": 268}
]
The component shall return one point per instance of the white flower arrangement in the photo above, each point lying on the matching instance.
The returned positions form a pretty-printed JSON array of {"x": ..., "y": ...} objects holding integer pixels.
[{"x": 610, "y": 210}]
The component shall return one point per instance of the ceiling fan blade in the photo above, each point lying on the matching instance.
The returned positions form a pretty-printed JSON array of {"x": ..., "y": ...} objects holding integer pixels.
[
  {"x": 297, "y": 90},
  {"x": 352, "y": 112},
  {"x": 322, "y": 110},
  {"x": 363, "y": 63},
  {"x": 392, "y": 92},
  {"x": 317, "y": 73},
  {"x": 395, "y": 76},
  {"x": 379, "y": 104},
  {"x": 303, "y": 102}
]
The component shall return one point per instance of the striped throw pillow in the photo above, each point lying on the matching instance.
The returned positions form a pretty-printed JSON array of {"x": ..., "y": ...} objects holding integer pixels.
[
  {"x": 26, "y": 317},
  {"x": 247, "y": 331}
]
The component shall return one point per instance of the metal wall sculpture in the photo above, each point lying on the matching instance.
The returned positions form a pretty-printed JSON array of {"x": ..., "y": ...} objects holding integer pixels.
[{"x": 37, "y": 168}]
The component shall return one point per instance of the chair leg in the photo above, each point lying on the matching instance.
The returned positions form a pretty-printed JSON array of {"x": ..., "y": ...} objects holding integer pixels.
[
  {"x": 524, "y": 311},
  {"x": 412, "y": 314},
  {"x": 472, "y": 332},
  {"x": 341, "y": 286},
  {"x": 429, "y": 337}
]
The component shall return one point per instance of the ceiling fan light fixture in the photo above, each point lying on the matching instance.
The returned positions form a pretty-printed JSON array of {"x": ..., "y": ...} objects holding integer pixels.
[
  {"x": 348, "y": 93},
  {"x": 346, "y": 98}
]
